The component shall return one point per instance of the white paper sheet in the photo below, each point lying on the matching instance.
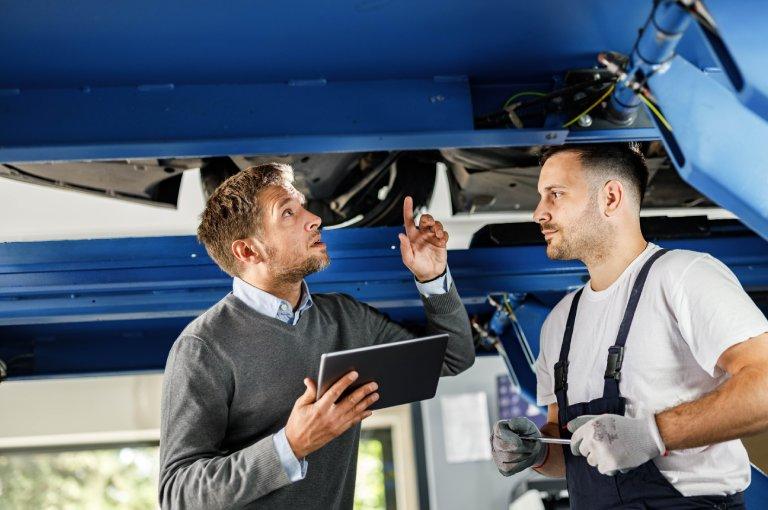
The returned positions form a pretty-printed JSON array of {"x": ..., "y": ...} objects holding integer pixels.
[{"x": 465, "y": 427}]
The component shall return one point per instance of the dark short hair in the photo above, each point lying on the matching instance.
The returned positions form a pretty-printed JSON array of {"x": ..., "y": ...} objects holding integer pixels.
[
  {"x": 622, "y": 161},
  {"x": 234, "y": 211}
]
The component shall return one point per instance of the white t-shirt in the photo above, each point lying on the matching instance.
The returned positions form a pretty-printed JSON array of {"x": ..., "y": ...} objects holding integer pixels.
[{"x": 692, "y": 309}]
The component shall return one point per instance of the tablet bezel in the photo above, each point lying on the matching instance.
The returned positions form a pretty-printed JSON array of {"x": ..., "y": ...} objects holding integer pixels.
[{"x": 362, "y": 358}]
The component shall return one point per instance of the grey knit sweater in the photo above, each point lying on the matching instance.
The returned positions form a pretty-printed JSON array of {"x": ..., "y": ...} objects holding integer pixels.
[{"x": 230, "y": 383}]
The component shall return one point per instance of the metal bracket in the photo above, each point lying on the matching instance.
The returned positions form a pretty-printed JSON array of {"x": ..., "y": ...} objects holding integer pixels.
[
  {"x": 615, "y": 360},
  {"x": 505, "y": 317},
  {"x": 488, "y": 339}
]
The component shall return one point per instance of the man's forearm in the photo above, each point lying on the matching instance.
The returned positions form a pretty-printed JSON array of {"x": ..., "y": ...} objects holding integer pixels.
[
  {"x": 446, "y": 314},
  {"x": 223, "y": 482},
  {"x": 736, "y": 409},
  {"x": 554, "y": 465}
]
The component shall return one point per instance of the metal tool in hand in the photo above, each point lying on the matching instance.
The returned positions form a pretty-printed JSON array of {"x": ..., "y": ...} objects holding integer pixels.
[{"x": 551, "y": 440}]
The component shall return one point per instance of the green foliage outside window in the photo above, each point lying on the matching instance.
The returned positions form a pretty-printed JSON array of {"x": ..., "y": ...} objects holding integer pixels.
[
  {"x": 123, "y": 478},
  {"x": 369, "y": 486},
  {"x": 126, "y": 479}
]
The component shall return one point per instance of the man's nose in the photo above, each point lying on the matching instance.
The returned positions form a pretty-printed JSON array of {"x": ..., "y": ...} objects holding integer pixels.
[
  {"x": 541, "y": 214},
  {"x": 313, "y": 222}
]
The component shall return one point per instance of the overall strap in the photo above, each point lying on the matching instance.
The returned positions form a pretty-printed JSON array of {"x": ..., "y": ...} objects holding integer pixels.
[
  {"x": 616, "y": 352},
  {"x": 561, "y": 367}
]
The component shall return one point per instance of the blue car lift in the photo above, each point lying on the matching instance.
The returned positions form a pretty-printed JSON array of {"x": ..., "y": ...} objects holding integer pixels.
[{"x": 88, "y": 80}]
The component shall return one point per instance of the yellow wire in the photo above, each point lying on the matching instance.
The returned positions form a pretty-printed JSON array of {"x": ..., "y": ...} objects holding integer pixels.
[
  {"x": 656, "y": 111},
  {"x": 520, "y": 94},
  {"x": 591, "y": 107}
]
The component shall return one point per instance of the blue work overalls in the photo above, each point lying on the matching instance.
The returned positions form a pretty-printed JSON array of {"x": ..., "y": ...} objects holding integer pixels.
[{"x": 643, "y": 487}]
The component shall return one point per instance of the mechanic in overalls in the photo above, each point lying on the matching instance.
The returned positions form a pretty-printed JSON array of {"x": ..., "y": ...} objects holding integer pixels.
[{"x": 654, "y": 369}]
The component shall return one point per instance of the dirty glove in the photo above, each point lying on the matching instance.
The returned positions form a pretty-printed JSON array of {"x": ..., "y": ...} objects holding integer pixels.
[
  {"x": 511, "y": 453},
  {"x": 614, "y": 443}
]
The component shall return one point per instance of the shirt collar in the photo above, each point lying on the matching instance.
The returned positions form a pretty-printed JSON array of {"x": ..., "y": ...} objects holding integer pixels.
[{"x": 269, "y": 305}]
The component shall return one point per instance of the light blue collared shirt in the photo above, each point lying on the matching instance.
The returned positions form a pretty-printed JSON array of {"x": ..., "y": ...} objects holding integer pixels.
[
  {"x": 269, "y": 305},
  {"x": 272, "y": 306}
]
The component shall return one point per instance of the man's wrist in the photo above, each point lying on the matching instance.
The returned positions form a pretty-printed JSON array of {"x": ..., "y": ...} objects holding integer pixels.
[
  {"x": 299, "y": 453},
  {"x": 429, "y": 278},
  {"x": 656, "y": 435},
  {"x": 295, "y": 469}
]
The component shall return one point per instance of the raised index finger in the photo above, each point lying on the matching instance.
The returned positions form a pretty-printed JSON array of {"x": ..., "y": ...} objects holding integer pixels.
[{"x": 410, "y": 225}]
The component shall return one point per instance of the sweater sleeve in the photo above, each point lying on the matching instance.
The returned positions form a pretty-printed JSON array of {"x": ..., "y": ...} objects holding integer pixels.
[
  {"x": 445, "y": 313},
  {"x": 194, "y": 470}
]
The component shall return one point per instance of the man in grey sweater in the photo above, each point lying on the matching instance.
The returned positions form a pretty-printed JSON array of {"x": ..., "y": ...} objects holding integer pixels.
[{"x": 238, "y": 427}]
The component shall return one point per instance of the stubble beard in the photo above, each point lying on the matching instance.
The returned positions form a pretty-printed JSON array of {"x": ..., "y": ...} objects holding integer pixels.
[
  {"x": 588, "y": 239},
  {"x": 289, "y": 271}
]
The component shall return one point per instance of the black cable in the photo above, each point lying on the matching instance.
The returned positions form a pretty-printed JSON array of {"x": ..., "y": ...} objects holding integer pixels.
[{"x": 501, "y": 117}]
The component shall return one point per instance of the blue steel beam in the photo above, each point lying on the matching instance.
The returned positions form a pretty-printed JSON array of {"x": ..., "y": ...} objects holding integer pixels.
[
  {"x": 112, "y": 305},
  {"x": 122, "y": 122},
  {"x": 718, "y": 145},
  {"x": 50, "y": 45},
  {"x": 170, "y": 277},
  {"x": 246, "y": 80},
  {"x": 738, "y": 47},
  {"x": 646, "y": 134},
  {"x": 204, "y": 120}
]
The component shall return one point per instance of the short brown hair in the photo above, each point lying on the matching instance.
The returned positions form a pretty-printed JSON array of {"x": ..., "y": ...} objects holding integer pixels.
[
  {"x": 621, "y": 161},
  {"x": 234, "y": 212}
]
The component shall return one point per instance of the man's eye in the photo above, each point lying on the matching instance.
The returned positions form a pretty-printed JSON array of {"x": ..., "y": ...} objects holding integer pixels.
[
  {"x": 557, "y": 194},
  {"x": 287, "y": 212}
]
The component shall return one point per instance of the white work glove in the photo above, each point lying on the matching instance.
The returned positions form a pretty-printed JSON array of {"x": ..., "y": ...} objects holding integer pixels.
[
  {"x": 614, "y": 443},
  {"x": 511, "y": 453}
]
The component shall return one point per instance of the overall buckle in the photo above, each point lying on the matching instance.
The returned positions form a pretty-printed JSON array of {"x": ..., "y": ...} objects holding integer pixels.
[
  {"x": 615, "y": 359},
  {"x": 561, "y": 376}
]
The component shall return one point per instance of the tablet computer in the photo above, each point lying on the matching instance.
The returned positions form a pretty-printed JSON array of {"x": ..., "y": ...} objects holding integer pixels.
[{"x": 405, "y": 371}]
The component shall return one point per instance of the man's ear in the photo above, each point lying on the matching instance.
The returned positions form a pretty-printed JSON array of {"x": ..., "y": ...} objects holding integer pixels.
[
  {"x": 247, "y": 251},
  {"x": 613, "y": 197}
]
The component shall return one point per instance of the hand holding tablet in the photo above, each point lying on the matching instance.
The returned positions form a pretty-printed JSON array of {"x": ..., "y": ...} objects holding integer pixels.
[{"x": 405, "y": 372}]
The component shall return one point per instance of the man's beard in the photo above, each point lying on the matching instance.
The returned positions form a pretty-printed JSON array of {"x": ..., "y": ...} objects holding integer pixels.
[
  {"x": 587, "y": 239},
  {"x": 287, "y": 270}
]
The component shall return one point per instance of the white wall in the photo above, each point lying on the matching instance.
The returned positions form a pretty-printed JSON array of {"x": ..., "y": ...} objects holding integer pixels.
[
  {"x": 476, "y": 484},
  {"x": 76, "y": 411},
  {"x": 37, "y": 213}
]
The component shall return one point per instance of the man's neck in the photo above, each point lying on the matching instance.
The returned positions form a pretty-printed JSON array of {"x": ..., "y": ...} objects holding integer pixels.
[
  {"x": 607, "y": 269},
  {"x": 287, "y": 291}
]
